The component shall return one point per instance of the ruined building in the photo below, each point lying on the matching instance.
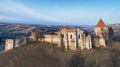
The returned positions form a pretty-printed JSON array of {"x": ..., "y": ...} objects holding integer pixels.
[
  {"x": 69, "y": 37},
  {"x": 73, "y": 38},
  {"x": 9, "y": 44},
  {"x": 101, "y": 32},
  {"x": 12, "y": 43}
]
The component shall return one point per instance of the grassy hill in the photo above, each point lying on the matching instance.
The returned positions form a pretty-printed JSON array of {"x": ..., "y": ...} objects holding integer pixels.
[{"x": 39, "y": 54}]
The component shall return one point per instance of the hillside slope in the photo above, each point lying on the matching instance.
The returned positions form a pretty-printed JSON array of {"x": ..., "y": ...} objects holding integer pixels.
[
  {"x": 39, "y": 54},
  {"x": 32, "y": 55}
]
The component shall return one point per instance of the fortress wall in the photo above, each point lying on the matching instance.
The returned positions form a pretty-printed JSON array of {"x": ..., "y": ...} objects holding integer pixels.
[
  {"x": 88, "y": 42},
  {"x": 33, "y": 36},
  {"x": 102, "y": 42},
  {"x": 56, "y": 39},
  {"x": 81, "y": 41},
  {"x": 20, "y": 41},
  {"x": 99, "y": 30},
  {"x": 72, "y": 40},
  {"x": 9, "y": 44},
  {"x": 48, "y": 38}
]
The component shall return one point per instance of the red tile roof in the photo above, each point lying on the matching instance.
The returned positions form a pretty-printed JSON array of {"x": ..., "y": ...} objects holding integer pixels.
[{"x": 101, "y": 24}]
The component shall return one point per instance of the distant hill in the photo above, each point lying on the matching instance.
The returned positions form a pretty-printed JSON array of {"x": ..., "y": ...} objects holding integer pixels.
[
  {"x": 27, "y": 28},
  {"x": 16, "y": 28},
  {"x": 116, "y": 29}
]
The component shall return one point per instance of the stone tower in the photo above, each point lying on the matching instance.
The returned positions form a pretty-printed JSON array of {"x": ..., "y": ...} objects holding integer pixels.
[
  {"x": 101, "y": 29},
  {"x": 101, "y": 32}
]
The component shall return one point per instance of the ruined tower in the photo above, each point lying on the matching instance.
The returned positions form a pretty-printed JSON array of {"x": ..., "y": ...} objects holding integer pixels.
[
  {"x": 101, "y": 32},
  {"x": 9, "y": 44}
]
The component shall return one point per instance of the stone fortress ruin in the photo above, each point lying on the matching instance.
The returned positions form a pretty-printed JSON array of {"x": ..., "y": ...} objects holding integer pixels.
[
  {"x": 70, "y": 37},
  {"x": 101, "y": 32},
  {"x": 73, "y": 38}
]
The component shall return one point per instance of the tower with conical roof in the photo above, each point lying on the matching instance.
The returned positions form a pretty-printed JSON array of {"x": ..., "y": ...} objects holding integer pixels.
[{"x": 101, "y": 31}]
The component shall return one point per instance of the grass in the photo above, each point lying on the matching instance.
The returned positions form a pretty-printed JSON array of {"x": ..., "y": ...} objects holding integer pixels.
[
  {"x": 40, "y": 54},
  {"x": 33, "y": 55}
]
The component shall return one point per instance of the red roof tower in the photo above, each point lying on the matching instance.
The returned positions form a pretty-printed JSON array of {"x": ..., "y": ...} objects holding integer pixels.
[{"x": 101, "y": 24}]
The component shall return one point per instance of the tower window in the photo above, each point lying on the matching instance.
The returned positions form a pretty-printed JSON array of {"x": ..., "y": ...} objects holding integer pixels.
[
  {"x": 101, "y": 28},
  {"x": 70, "y": 36}
]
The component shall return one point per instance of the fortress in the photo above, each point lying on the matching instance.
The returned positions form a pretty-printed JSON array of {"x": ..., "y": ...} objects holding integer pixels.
[
  {"x": 73, "y": 38},
  {"x": 69, "y": 37}
]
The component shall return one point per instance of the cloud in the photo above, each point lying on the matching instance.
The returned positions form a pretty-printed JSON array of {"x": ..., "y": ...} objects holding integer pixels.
[
  {"x": 20, "y": 12},
  {"x": 12, "y": 10}
]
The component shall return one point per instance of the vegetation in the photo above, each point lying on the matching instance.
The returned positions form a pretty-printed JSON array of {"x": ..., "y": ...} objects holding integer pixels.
[
  {"x": 40, "y": 54},
  {"x": 38, "y": 35}
]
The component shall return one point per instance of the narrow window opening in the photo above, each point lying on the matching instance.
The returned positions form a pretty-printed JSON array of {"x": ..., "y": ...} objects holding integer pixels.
[
  {"x": 79, "y": 36},
  {"x": 71, "y": 36},
  {"x": 101, "y": 28}
]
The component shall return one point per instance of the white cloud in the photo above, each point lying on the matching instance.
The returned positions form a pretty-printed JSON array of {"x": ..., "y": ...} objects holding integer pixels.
[{"x": 18, "y": 11}]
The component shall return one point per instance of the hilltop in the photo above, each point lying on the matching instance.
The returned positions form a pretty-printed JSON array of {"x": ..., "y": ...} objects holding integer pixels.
[
  {"x": 116, "y": 28},
  {"x": 41, "y": 54}
]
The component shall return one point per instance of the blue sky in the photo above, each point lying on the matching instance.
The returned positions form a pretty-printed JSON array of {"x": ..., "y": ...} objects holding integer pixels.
[{"x": 72, "y": 12}]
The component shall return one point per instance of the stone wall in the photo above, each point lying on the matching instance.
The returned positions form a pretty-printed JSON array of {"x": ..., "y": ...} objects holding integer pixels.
[
  {"x": 88, "y": 42},
  {"x": 81, "y": 41},
  {"x": 76, "y": 38},
  {"x": 20, "y": 41},
  {"x": 101, "y": 36},
  {"x": 55, "y": 39},
  {"x": 101, "y": 31},
  {"x": 9, "y": 44},
  {"x": 72, "y": 40},
  {"x": 33, "y": 36}
]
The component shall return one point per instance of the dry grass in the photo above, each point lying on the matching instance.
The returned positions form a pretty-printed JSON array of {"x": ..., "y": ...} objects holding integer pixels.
[{"x": 39, "y": 54}]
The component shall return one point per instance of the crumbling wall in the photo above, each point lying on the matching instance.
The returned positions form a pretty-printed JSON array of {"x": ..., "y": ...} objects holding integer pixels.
[
  {"x": 88, "y": 42},
  {"x": 55, "y": 39},
  {"x": 72, "y": 40},
  {"x": 9, "y": 44},
  {"x": 20, "y": 41}
]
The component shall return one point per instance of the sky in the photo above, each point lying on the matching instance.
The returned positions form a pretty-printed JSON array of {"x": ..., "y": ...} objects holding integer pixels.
[{"x": 55, "y": 12}]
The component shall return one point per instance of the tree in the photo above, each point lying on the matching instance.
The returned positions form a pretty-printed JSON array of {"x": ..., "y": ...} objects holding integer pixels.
[
  {"x": 110, "y": 35},
  {"x": 38, "y": 35}
]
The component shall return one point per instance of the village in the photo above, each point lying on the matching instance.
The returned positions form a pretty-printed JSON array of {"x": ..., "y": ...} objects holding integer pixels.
[{"x": 69, "y": 37}]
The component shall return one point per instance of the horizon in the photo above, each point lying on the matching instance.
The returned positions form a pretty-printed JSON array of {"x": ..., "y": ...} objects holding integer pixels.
[{"x": 59, "y": 12}]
